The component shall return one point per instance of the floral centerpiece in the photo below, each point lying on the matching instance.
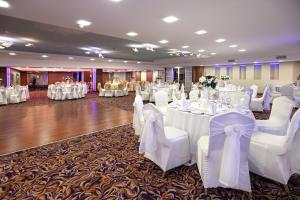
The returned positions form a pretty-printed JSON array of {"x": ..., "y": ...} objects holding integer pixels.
[
  {"x": 208, "y": 81},
  {"x": 225, "y": 78}
]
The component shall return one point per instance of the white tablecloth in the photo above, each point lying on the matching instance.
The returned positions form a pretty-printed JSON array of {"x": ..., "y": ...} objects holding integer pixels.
[{"x": 196, "y": 125}]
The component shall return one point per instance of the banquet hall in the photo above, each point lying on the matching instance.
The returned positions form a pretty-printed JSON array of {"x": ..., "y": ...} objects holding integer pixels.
[{"x": 136, "y": 99}]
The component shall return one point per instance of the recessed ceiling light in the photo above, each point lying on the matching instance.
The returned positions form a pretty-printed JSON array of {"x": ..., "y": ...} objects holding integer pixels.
[
  {"x": 213, "y": 53},
  {"x": 83, "y": 23},
  {"x": 163, "y": 41},
  {"x": 185, "y": 46},
  {"x": 233, "y": 46},
  {"x": 201, "y": 32},
  {"x": 2, "y": 47},
  {"x": 109, "y": 60},
  {"x": 92, "y": 59},
  {"x": 132, "y": 34},
  {"x": 71, "y": 58},
  {"x": 242, "y": 50},
  {"x": 116, "y": 0},
  {"x": 28, "y": 45},
  {"x": 4, "y": 4},
  {"x": 12, "y": 53},
  {"x": 201, "y": 50},
  {"x": 87, "y": 52},
  {"x": 170, "y": 19},
  {"x": 138, "y": 62},
  {"x": 45, "y": 56},
  {"x": 125, "y": 61},
  {"x": 220, "y": 40}
]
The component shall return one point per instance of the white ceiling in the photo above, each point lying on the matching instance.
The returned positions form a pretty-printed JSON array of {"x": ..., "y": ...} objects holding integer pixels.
[{"x": 265, "y": 28}]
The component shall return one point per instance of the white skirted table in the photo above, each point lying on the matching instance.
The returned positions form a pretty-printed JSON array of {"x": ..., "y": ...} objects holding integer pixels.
[{"x": 196, "y": 124}]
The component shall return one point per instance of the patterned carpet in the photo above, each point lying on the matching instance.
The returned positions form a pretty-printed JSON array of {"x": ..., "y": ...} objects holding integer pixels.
[{"x": 106, "y": 165}]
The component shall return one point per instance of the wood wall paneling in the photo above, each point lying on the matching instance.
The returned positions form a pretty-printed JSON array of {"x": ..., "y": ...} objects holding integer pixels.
[
  {"x": 24, "y": 78},
  {"x": 128, "y": 76},
  {"x": 149, "y": 76},
  {"x": 87, "y": 77},
  {"x": 54, "y": 77},
  {"x": 138, "y": 76},
  {"x": 197, "y": 72},
  {"x": 3, "y": 75}
]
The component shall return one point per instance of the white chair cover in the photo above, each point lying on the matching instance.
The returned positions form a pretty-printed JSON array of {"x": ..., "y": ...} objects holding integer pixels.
[
  {"x": 168, "y": 147},
  {"x": 263, "y": 103},
  {"x": 254, "y": 91},
  {"x": 279, "y": 118},
  {"x": 138, "y": 118},
  {"x": 223, "y": 155},
  {"x": 276, "y": 157},
  {"x": 194, "y": 94},
  {"x": 161, "y": 101}
]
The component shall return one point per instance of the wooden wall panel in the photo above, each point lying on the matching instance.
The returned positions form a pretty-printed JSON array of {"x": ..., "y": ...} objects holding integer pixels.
[
  {"x": 87, "y": 77},
  {"x": 149, "y": 76},
  {"x": 3, "y": 75},
  {"x": 24, "y": 78},
  {"x": 197, "y": 72},
  {"x": 54, "y": 77},
  {"x": 138, "y": 76},
  {"x": 105, "y": 77},
  {"x": 128, "y": 76}
]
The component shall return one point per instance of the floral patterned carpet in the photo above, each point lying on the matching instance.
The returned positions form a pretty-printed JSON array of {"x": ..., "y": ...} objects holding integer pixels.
[{"x": 106, "y": 165}]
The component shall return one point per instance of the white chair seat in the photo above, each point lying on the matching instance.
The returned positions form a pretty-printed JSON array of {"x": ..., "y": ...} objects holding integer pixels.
[
  {"x": 272, "y": 126},
  {"x": 173, "y": 133},
  {"x": 273, "y": 143}
]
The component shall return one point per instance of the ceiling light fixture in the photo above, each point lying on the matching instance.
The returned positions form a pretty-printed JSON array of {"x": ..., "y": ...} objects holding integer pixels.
[
  {"x": 132, "y": 34},
  {"x": 170, "y": 19},
  {"x": 242, "y": 50},
  {"x": 233, "y": 46},
  {"x": 87, "y": 52},
  {"x": 213, "y": 53},
  {"x": 220, "y": 40},
  {"x": 201, "y": 32},
  {"x": 83, "y": 23},
  {"x": 71, "y": 58},
  {"x": 116, "y": 0},
  {"x": 109, "y": 60},
  {"x": 12, "y": 53},
  {"x": 185, "y": 46},
  {"x": 138, "y": 62},
  {"x": 45, "y": 56},
  {"x": 125, "y": 61},
  {"x": 2, "y": 47},
  {"x": 201, "y": 50},
  {"x": 4, "y": 4},
  {"x": 135, "y": 49},
  {"x": 92, "y": 59},
  {"x": 28, "y": 45},
  {"x": 163, "y": 41}
]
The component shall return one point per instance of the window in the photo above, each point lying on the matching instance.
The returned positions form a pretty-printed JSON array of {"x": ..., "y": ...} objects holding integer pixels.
[
  {"x": 217, "y": 71},
  {"x": 274, "y": 71},
  {"x": 243, "y": 71},
  {"x": 229, "y": 71},
  {"x": 257, "y": 71}
]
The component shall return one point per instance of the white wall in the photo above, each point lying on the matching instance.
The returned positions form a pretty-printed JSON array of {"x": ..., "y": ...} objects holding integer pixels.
[{"x": 288, "y": 72}]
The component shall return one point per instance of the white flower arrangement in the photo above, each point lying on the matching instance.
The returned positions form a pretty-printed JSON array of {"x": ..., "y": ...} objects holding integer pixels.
[{"x": 208, "y": 81}]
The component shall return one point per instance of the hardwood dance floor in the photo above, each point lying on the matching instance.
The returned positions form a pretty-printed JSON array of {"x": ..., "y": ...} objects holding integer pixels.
[{"x": 25, "y": 126}]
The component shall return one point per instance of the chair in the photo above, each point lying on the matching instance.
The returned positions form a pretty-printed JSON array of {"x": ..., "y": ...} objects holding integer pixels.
[
  {"x": 194, "y": 94},
  {"x": 22, "y": 94},
  {"x": 101, "y": 90},
  {"x": 288, "y": 91},
  {"x": 161, "y": 101},
  {"x": 3, "y": 96},
  {"x": 279, "y": 118},
  {"x": 166, "y": 146},
  {"x": 241, "y": 99},
  {"x": 13, "y": 95},
  {"x": 138, "y": 118},
  {"x": 119, "y": 93},
  {"x": 254, "y": 91},
  {"x": 262, "y": 103},
  {"x": 109, "y": 93},
  {"x": 276, "y": 157},
  {"x": 223, "y": 155},
  {"x": 273, "y": 93}
]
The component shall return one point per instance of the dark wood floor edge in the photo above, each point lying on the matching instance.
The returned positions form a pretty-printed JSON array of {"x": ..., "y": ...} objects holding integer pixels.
[{"x": 70, "y": 138}]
